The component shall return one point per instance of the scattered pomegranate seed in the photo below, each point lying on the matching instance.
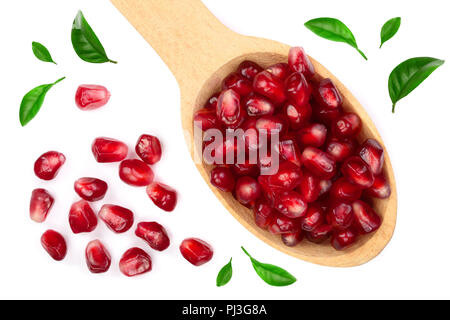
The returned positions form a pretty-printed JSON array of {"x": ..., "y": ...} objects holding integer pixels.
[
  {"x": 269, "y": 86},
  {"x": 154, "y": 234},
  {"x": 238, "y": 83},
  {"x": 292, "y": 239},
  {"x": 314, "y": 217},
  {"x": 223, "y": 179},
  {"x": 135, "y": 173},
  {"x": 134, "y": 262},
  {"x": 340, "y": 215},
  {"x": 257, "y": 105},
  {"x": 380, "y": 188},
  {"x": 248, "y": 190},
  {"x": 54, "y": 244},
  {"x": 299, "y": 62},
  {"x": 313, "y": 135},
  {"x": 162, "y": 196},
  {"x": 340, "y": 149},
  {"x": 264, "y": 214},
  {"x": 297, "y": 89},
  {"x": 40, "y": 205},
  {"x": 319, "y": 162},
  {"x": 279, "y": 70},
  {"x": 297, "y": 116},
  {"x": 90, "y": 97},
  {"x": 196, "y": 251},
  {"x": 116, "y": 218},
  {"x": 357, "y": 171},
  {"x": 148, "y": 148},
  {"x": 327, "y": 95},
  {"x": 344, "y": 190},
  {"x": 109, "y": 150},
  {"x": 98, "y": 258},
  {"x": 343, "y": 239},
  {"x": 249, "y": 69},
  {"x": 91, "y": 189},
  {"x": 47, "y": 165},
  {"x": 229, "y": 110},
  {"x": 82, "y": 218},
  {"x": 292, "y": 205},
  {"x": 366, "y": 219},
  {"x": 320, "y": 233},
  {"x": 347, "y": 125},
  {"x": 373, "y": 154},
  {"x": 309, "y": 186}
]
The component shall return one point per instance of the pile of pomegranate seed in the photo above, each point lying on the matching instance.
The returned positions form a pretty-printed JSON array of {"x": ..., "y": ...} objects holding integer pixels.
[
  {"x": 83, "y": 219},
  {"x": 325, "y": 178}
]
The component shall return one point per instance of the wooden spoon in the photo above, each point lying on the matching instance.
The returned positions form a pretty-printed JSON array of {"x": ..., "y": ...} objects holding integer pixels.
[{"x": 200, "y": 51}]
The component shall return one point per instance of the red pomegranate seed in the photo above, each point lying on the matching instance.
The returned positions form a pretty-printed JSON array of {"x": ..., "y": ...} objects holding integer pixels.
[
  {"x": 135, "y": 173},
  {"x": 196, "y": 251},
  {"x": 134, "y": 262},
  {"x": 340, "y": 149},
  {"x": 54, "y": 244},
  {"x": 340, "y": 215},
  {"x": 380, "y": 188},
  {"x": 343, "y": 239},
  {"x": 154, "y": 234},
  {"x": 279, "y": 70},
  {"x": 265, "y": 161},
  {"x": 98, "y": 258},
  {"x": 358, "y": 172},
  {"x": 245, "y": 169},
  {"x": 163, "y": 196},
  {"x": 320, "y": 233},
  {"x": 40, "y": 204},
  {"x": 281, "y": 224},
  {"x": 287, "y": 178},
  {"x": 297, "y": 116},
  {"x": 327, "y": 95},
  {"x": 109, "y": 150},
  {"x": 373, "y": 154},
  {"x": 148, "y": 148},
  {"x": 325, "y": 115},
  {"x": 269, "y": 86},
  {"x": 319, "y": 163},
  {"x": 366, "y": 219},
  {"x": 347, "y": 125},
  {"x": 251, "y": 136},
  {"x": 270, "y": 125},
  {"x": 226, "y": 151},
  {"x": 313, "y": 135},
  {"x": 314, "y": 217},
  {"x": 257, "y": 105},
  {"x": 90, "y": 97},
  {"x": 264, "y": 214},
  {"x": 82, "y": 218},
  {"x": 47, "y": 165},
  {"x": 325, "y": 186},
  {"x": 249, "y": 69},
  {"x": 248, "y": 190},
  {"x": 343, "y": 189},
  {"x": 212, "y": 102},
  {"x": 292, "y": 205},
  {"x": 299, "y": 62},
  {"x": 292, "y": 239},
  {"x": 116, "y": 218},
  {"x": 222, "y": 178},
  {"x": 309, "y": 186},
  {"x": 229, "y": 110},
  {"x": 238, "y": 83},
  {"x": 298, "y": 89},
  {"x": 289, "y": 150},
  {"x": 91, "y": 189}
]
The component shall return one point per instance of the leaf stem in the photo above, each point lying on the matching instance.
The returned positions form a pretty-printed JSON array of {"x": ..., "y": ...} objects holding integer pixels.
[
  {"x": 362, "y": 53},
  {"x": 112, "y": 61},
  {"x": 393, "y": 108},
  {"x": 59, "y": 80},
  {"x": 245, "y": 251}
]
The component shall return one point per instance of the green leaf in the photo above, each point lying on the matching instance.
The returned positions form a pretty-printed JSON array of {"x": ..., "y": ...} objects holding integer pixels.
[
  {"x": 334, "y": 30},
  {"x": 389, "y": 29},
  {"x": 272, "y": 275},
  {"x": 41, "y": 52},
  {"x": 32, "y": 102},
  {"x": 225, "y": 274},
  {"x": 408, "y": 75},
  {"x": 85, "y": 42}
]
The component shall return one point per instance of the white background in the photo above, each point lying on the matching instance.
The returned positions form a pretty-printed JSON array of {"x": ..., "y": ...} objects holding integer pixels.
[{"x": 145, "y": 99}]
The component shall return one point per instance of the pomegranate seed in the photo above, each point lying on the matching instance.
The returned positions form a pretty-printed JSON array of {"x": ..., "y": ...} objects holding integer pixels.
[
  {"x": 91, "y": 189},
  {"x": 249, "y": 69},
  {"x": 340, "y": 215},
  {"x": 54, "y": 244},
  {"x": 154, "y": 234},
  {"x": 357, "y": 171},
  {"x": 366, "y": 219},
  {"x": 344, "y": 190},
  {"x": 287, "y": 178},
  {"x": 347, "y": 125},
  {"x": 299, "y": 62},
  {"x": 90, "y": 97},
  {"x": 380, "y": 188},
  {"x": 269, "y": 86},
  {"x": 109, "y": 150},
  {"x": 292, "y": 205},
  {"x": 47, "y": 165},
  {"x": 135, "y": 173},
  {"x": 116, "y": 218},
  {"x": 196, "y": 251},
  {"x": 229, "y": 110},
  {"x": 309, "y": 187},
  {"x": 313, "y": 135},
  {"x": 270, "y": 125},
  {"x": 245, "y": 169},
  {"x": 297, "y": 116},
  {"x": 297, "y": 89},
  {"x": 238, "y": 83},
  {"x": 325, "y": 186},
  {"x": 247, "y": 190},
  {"x": 319, "y": 163},
  {"x": 148, "y": 148},
  {"x": 290, "y": 151},
  {"x": 314, "y": 217},
  {"x": 327, "y": 95},
  {"x": 325, "y": 115},
  {"x": 82, "y": 218},
  {"x": 340, "y": 149},
  {"x": 134, "y": 262},
  {"x": 257, "y": 105},
  {"x": 212, "y": 102},
  {"x": 279, "y": 70},
  {"x": 98, "y": 258},
  {"x": 373, "y": 154},
  {"x": 223, "y": 179},
  {"x": 264, "y": 214},
  {"x": 251, "y": 136},
  {"x": 226, "y": 152},
  {"x": 163, "y": 196},
  {"x": 320, "y": 233},
  {"x": 265, "y": 161},
  {"x": 281, "y": 224},
  {"x": 343, "y": 239},
  {"x": 40, "y": 205},
  {"x": 292, "y": 239}
]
